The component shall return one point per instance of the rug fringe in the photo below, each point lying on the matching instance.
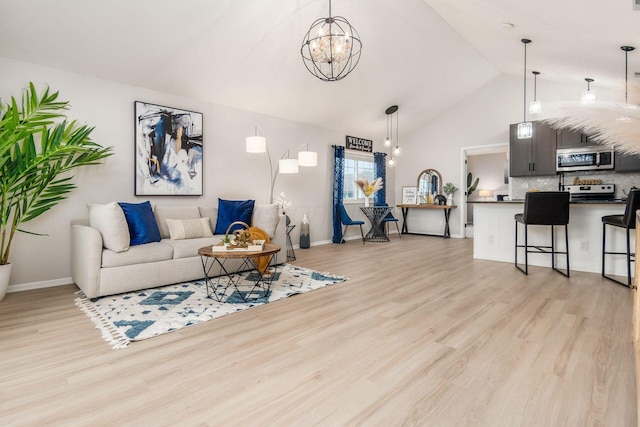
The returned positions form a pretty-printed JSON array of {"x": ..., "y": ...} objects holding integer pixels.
[{"x": 109, "y": 332}]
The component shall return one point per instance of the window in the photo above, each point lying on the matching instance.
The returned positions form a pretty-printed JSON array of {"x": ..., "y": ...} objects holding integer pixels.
[{"x": 357, "y": 166}]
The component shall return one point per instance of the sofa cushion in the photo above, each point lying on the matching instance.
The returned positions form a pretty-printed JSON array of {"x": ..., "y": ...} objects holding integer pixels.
[
  {"x": 189, "y": 228},
  {"x": 173, "y": 212},
  {"x": 189, "y": 247},
  {"x": 143, "y": 227},
  {"x": 211, "y": 213},
  {"x": 230, "y": 211},
  {"x": 138, "y": 254},
  {"x": 266, "y": 217},
  {"x": 110, "y": 221}
]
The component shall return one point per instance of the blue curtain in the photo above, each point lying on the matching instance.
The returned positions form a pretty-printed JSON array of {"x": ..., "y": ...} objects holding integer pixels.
[
  {"x": 338, "y": 191},
  {"x": 380, "y": 160}
]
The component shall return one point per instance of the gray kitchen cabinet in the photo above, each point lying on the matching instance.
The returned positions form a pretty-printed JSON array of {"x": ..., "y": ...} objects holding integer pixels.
[{"x": 535, "y": 156}]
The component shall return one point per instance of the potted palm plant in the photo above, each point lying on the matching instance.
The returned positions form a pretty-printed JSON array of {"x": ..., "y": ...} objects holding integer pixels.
[{"x": 38, "y": 147}]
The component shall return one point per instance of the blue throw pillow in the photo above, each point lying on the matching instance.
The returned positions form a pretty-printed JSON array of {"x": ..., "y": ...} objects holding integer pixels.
[
  {"x": 143, "y": 227},
  {"x": 233, "y": 210}
]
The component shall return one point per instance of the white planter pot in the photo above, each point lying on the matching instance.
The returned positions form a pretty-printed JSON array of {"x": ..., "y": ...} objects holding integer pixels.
[{"x": 5, "y": 274}]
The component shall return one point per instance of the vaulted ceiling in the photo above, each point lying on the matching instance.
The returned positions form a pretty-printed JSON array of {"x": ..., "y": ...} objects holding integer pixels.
[{"x": 423, "y": 55}]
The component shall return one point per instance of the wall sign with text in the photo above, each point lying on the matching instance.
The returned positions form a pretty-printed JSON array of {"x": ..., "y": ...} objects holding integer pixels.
[{"x": 359, "y": 144}]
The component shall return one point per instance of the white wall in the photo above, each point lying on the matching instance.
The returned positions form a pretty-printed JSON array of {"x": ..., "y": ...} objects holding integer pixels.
[{"x": 229, "y": 172}]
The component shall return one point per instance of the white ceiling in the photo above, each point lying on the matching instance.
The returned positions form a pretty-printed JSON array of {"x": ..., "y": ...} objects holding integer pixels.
[{"x": 246, "y": 53}]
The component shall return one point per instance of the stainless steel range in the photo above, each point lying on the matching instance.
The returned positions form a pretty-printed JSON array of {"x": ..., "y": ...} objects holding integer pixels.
[{"x": 591, "y": 191}]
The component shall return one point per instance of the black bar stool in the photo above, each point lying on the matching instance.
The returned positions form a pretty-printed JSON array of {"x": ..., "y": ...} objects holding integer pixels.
[
  {"x": 628, "y": 222},
  {"x": 544, "y": 208}
]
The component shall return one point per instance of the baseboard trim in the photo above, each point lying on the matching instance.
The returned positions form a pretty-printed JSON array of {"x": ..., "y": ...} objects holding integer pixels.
[
  {"x": 40, "y": 285},
  {"x": 68, "y": 281}
]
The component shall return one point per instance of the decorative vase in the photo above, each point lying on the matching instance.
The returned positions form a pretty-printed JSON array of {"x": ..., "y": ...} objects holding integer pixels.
[
  {"x": 366, "y": 202},
  {"x": 305, "y": 242},
  {"x": 449, "y": 200},
  {"x": 5, "y": 273}
]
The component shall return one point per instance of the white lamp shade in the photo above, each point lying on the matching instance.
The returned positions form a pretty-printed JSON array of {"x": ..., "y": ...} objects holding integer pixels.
[
  {"x": 288, "y": 165},
  {"x": 391, "y": 162},
  {"x": 525, "y": 130},
  {"x": 387, "y": 142},
  {"x": 307, "y": 158},
  {"x": 256, "y": 144},
  {"x": 535, "y": 107},
  {"x": 588, "y": 97},
  {"x": 486, "y": 193},
  {"x": 396, "y": 151}
]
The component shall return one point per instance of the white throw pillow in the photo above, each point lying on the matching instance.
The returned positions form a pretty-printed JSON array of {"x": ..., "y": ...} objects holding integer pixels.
[
  {"x": 189, "y": 228},
  {"x": 163, "y": 213},
  {"x": 110, "y": 221},
  {"x": 266, "y": 217}
]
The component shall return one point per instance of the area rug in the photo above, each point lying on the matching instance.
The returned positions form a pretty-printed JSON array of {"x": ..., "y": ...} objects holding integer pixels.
[{"x": 139, "y": 315}]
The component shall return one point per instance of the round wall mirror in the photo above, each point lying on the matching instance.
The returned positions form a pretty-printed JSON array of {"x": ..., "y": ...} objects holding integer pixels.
[{"x": 429, "y": 184}]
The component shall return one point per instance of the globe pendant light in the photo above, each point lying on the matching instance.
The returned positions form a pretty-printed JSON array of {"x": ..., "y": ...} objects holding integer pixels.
[
  {"x": 588, "y": 96},
  {"x": 535, "y": 107},
  {"x": 525, "y": 129},
  {"x": 331, "y": 48}
]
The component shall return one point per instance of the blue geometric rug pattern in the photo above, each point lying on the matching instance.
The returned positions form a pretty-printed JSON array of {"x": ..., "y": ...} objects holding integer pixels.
[{"x": 139, "y": 315}]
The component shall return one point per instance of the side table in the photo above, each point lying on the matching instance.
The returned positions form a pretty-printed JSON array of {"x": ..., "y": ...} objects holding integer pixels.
[
  {"x": 376, "y": 215},
  {"x": 291, "y": 255}
]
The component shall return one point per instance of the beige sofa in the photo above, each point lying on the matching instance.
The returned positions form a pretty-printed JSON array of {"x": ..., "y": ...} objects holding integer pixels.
[{"x": 100, "y": 271}]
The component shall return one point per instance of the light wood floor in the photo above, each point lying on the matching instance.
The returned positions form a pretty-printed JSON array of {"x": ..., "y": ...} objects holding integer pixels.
[{"x": 421, "y": 334}]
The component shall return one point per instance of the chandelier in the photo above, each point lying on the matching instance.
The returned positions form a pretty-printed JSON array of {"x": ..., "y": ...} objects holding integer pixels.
[{"x": 331, "y": 48}]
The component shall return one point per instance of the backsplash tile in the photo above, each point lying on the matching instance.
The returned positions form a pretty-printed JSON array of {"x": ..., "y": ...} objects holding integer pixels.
[{"x": 623, "y": 181}]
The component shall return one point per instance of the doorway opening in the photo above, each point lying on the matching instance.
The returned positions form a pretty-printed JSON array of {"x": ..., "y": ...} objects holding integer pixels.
[{"x": 489, "y": 164}]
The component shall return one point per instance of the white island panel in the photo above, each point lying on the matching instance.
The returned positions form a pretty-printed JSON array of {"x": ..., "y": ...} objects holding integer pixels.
[{"x": 494, "y": 236}]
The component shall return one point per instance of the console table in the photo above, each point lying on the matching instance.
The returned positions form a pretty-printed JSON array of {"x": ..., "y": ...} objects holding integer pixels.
[
  {"x": 445, "y": 208},
  {"x": 376, "y": 215}
]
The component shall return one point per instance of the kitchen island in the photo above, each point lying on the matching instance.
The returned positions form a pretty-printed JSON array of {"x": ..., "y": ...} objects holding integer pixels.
[{"x": 494, "y": 235}]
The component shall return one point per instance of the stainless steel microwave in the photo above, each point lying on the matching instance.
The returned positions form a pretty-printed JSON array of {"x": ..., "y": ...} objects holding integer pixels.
[{"x": 585, "y": 158}]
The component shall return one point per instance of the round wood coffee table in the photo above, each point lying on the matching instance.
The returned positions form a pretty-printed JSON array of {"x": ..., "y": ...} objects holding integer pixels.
[{"x": 217, "y": 284}]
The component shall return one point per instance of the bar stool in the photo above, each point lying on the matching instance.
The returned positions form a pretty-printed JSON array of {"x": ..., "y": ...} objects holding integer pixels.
[
  {"x": 543, "y": 208},
  {"x": 628, "y": 222}
]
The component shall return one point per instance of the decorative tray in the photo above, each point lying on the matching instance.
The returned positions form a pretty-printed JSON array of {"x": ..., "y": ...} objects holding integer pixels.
[{"x": 255, "y": 246}]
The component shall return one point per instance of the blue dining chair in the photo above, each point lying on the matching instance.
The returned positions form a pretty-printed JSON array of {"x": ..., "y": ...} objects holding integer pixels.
[
  {"x": 390, "y": 218},
  {"x": 347, "y": 221}
]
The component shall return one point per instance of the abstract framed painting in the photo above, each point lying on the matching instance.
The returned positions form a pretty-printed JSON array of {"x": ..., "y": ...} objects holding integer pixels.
[{"x": 168, "y": 151}]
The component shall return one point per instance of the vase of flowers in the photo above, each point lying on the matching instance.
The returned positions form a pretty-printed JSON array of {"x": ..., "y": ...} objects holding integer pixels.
[
  {"x": 284, "y": 205},
  {"x": 449, "y": 189},
  {"x": 369, "y": 188}
]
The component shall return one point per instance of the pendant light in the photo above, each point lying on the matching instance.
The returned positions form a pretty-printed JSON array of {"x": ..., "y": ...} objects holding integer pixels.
[
  {"x": 387, "y": 141},
  {"x": 525, "y": 129},
  {"x": 396, "y": 150},
  {"x": 626, "y": 50},
  {"x": 535, "y": 107},
  {"x": 588, "y": 96},
  {"x": 331, "y": 48}
]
